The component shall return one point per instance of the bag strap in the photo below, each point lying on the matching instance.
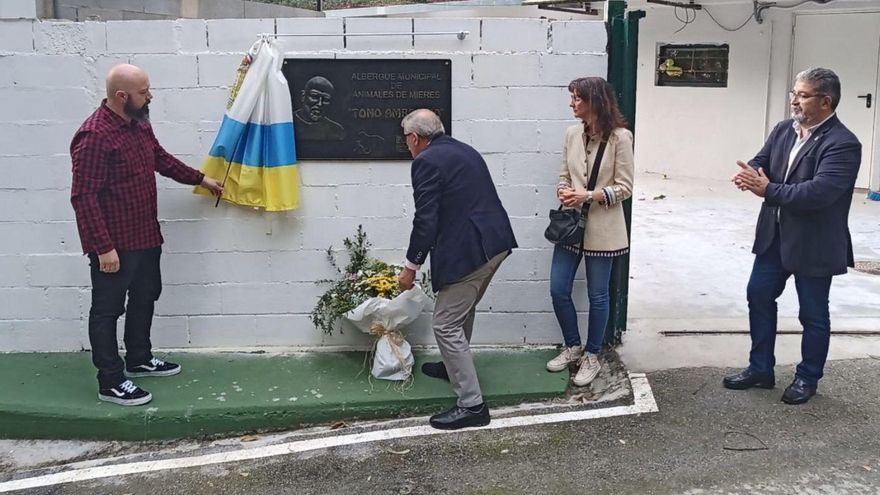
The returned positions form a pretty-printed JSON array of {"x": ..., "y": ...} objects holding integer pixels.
[
  {"x": 594, "y": 173},
  {"x": 594, "y": 176}
]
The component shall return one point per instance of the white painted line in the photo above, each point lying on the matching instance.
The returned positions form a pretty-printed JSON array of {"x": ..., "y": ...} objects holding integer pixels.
[{"x": 643, "y": 402}]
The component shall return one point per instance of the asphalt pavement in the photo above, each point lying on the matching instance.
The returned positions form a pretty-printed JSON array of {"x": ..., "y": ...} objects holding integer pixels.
[{"x": 703, "y": 440}]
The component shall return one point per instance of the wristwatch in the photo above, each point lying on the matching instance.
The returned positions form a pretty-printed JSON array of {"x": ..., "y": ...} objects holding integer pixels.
[{"x": 589, "y": 197}]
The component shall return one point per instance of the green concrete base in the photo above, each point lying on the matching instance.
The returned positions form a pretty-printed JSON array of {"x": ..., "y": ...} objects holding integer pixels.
[{"x": 54, "y": 396}]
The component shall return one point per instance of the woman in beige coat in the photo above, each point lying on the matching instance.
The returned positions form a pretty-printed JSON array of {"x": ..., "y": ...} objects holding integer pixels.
[{"x": 594, "y": 103}]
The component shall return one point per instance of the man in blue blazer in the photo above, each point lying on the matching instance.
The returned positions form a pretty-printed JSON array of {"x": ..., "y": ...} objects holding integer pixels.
[
  {"x": 805, "y": 172},
  {"x": 461, "y": 223}
]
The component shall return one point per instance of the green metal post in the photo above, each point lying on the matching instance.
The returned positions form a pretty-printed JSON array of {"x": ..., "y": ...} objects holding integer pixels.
[{"x": 623, "y": 46}]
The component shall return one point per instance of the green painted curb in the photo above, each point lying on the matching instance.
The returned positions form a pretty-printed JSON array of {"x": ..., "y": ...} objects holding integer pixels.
[{"x": 54, "y": 396}]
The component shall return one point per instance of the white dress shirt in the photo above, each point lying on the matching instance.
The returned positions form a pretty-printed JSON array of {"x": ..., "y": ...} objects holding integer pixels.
[{"x": 801, "y": 141}]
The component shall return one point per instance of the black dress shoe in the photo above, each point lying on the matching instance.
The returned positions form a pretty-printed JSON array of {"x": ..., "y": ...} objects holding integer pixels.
[
  {"x": 461, "y": 417},
  {"x": 436, "y": 370},
  {"x": 798, "y": 392},
  {"x": 748, "y": 379}
]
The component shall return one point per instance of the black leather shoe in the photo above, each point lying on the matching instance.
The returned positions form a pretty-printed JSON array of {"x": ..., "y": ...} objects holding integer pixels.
[
  {"x": 460, "y": 417},
  {"x": 748, "y": 379},
  {"x": 798, "y": 392},
  {"x": 436, "y": 370}
]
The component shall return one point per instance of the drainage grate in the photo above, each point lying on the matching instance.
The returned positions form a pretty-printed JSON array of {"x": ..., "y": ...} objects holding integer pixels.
[{"x": 869, "y": 267}]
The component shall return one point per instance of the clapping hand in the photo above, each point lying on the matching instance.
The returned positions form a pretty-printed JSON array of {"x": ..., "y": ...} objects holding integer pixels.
[
  {"x": 749, "y": 179},
  {"x": 745, "y": 171}
]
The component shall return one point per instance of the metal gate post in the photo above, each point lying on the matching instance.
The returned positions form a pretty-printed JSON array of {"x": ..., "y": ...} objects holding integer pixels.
[{"x": 623, "y": 47}]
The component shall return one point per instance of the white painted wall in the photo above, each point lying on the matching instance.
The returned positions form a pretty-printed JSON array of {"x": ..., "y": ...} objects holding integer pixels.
[
  {"x": 782, "y": 49},
  {"x": 239, "y": 278},
  {"x": 701, "y": 132}
]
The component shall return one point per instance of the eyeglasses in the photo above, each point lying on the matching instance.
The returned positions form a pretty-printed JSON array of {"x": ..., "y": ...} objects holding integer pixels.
[{"x": 802, "y": 96}]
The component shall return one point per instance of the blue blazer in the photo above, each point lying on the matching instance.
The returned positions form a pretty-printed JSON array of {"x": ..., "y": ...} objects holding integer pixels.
[
  {"x": 813, "y": 202},
  {"x": 459, "y": 218}
]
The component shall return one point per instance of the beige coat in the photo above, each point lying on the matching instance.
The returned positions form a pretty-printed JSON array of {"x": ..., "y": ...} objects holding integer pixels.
[{"x": 606, "y": 228}]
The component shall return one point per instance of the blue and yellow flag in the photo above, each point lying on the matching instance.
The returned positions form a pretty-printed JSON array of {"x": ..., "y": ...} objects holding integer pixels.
[{"x": 254, "y": 149}]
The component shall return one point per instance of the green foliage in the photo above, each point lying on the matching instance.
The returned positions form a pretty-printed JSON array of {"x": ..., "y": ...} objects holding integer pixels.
[{"x": 362, "y": 279}]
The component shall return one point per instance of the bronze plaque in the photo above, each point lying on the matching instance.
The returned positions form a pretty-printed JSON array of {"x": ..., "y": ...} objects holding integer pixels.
[{"x": 351, "y": 109}]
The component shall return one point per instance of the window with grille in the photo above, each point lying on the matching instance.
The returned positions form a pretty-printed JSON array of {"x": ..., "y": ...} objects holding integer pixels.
[{"x": 703, "y": 65}]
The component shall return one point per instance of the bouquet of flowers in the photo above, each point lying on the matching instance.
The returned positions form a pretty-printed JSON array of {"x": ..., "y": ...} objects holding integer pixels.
[{"x": 367, "y": 295}]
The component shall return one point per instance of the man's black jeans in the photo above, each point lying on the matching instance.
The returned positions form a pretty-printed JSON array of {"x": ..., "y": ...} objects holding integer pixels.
[{"x": 139, "y": 278}]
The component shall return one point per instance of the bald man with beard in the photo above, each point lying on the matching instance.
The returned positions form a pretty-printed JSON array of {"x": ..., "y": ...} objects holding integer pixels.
[
  {"x": 309, "y": 121},
  {"x": 115, "y": 159}
]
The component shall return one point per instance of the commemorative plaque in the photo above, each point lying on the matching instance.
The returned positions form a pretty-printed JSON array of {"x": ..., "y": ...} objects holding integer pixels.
[{"x": 351, "y": 108}]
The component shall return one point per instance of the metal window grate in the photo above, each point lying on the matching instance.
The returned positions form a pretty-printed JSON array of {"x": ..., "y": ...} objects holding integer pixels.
[{"x": 703, "y": 65}]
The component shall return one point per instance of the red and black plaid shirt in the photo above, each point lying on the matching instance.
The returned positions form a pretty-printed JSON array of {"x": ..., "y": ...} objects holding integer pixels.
[{"x": 114, "y": 182}]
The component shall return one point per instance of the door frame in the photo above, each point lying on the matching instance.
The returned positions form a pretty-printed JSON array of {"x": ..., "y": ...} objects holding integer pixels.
[{"x": 874, "y": 152}]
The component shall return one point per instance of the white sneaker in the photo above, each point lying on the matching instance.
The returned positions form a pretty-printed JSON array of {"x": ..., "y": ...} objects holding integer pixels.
[
  {"x": 589, "y": 369},
  {"x": 567, "y": 356}
]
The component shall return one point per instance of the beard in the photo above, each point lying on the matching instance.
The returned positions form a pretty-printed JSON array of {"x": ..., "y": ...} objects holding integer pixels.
[
  {"x": 142, "y": 113},
  {"x": 315, "y": 114},
  {"x": 798, "y": 115}
]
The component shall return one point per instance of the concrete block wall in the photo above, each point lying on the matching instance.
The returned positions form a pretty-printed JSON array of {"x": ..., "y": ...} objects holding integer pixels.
[
  {"x": 126, "y": 10},
  {"x": 242, "y": 278}
]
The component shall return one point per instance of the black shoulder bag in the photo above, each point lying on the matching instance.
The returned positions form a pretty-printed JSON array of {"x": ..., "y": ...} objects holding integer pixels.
[{"x": 567, "y": 225}]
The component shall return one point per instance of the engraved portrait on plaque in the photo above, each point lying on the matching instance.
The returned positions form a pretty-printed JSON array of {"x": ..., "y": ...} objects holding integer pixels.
[
  {"x": 309, "y": 120},
  {"x": 351, "y": 108}
]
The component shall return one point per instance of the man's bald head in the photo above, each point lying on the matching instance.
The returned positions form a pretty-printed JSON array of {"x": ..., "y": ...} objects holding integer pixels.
[
  {"x": 321, "y": 83},
  {"x": 126, "y": 77},
  {"x": 128, "y": 91}
]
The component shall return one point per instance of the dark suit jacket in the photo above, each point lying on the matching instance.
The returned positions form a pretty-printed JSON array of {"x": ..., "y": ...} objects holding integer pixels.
[
  {"x": 459, "y": 219},
  {"x": 813, "y": 202}
]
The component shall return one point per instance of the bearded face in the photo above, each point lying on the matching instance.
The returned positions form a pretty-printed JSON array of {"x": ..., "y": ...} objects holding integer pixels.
[{"x": 137, "y": 111}]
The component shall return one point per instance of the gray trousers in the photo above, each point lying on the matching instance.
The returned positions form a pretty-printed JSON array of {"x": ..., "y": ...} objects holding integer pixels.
[{"x": 454, "y": 310}]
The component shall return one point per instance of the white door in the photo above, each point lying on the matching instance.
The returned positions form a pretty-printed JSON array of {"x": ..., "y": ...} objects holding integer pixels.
[{"x": 848, "y": 44}]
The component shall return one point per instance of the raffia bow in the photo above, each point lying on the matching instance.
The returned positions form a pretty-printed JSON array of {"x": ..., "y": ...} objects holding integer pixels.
[{"x": 395, "y": 339}]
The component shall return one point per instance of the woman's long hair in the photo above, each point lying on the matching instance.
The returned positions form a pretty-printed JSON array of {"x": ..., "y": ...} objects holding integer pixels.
[{"x": 602, "y": 101}]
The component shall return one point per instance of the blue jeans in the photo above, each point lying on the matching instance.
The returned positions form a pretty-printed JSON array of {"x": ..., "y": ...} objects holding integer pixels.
[
  {"x": 765, "y": 285},
  {"x": 562, "y": 272}
]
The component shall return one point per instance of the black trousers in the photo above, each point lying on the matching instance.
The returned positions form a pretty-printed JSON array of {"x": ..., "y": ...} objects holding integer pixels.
[{"x": 140, "y": 279}]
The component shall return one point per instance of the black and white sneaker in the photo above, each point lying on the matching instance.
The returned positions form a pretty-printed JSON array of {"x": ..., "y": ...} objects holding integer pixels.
[
  {"x": 125, "y": 394},
  {"x": 156, "y": 367}
]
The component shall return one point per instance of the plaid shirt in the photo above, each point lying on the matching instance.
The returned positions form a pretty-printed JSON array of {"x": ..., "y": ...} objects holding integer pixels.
[{"x": 114, "y": 182}]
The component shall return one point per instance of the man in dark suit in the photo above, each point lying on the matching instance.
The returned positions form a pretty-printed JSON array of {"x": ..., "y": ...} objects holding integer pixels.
[
  {"x": 805, "y": 172},
  {"x": 460, "y": 221}
]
